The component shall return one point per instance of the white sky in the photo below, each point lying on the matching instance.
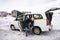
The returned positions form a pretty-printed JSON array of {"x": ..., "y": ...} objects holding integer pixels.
[{"x": 28, "y": 5}]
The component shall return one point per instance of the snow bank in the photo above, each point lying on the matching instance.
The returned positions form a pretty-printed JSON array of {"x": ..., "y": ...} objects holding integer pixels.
[{"x": 5, "y": 22}]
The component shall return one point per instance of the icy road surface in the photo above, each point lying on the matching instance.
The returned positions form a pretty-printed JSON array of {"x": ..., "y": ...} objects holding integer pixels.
[{"x": 16, "y": 35}]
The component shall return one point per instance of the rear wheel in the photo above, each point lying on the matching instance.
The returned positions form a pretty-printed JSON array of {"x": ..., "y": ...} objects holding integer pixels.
[
  {"x": 36, "y": 30},
  {"x": 12, "y": 27}
]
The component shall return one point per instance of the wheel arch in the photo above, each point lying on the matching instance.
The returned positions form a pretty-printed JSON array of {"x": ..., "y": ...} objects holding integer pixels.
[
  {"x": 37, "y": 27},
  {"x": 12, "y": 25}
]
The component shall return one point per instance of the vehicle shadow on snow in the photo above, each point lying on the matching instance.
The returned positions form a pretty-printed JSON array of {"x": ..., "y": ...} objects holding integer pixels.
[
  {"x": 46, "y": 33},
  {"x": 50, "y": 33},
  {"x": 16, "y": 30}
]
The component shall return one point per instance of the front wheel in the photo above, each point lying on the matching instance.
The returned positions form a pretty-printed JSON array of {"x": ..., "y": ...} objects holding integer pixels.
[
  {"x": 36, "y": 30},
  {"x": 12, "y": 27}
]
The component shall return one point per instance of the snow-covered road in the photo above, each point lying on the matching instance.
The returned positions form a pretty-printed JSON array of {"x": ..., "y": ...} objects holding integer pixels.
[{"x": 16, "y": 35}]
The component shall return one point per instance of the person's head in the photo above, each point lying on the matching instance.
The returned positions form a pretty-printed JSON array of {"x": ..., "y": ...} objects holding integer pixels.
[
  {"x": 32, "y": 18},
  {"x": 27, "y": 17}
]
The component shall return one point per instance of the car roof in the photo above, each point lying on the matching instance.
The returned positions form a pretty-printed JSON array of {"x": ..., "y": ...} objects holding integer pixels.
[{"x": 32, "y": 14}]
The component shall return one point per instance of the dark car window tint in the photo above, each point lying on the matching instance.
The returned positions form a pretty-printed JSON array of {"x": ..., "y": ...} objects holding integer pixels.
[{"x": 20, "y": 17}]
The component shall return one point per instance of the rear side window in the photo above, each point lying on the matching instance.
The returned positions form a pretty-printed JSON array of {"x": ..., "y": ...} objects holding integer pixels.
[{"x": 38, "y": 16}]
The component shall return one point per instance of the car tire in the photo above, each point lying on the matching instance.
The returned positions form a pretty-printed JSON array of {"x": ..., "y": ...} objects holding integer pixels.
[
  {"x": 36, "y": 30},
  {"x": 12, "y": 27}
]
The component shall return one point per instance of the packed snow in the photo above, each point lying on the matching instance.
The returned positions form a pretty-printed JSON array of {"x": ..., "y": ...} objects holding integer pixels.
[{"x": 5, "y": 22}]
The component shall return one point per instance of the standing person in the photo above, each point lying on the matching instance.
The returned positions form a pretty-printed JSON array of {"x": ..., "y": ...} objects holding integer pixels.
[
  {"x": 31, "y": 21},
  {"x": 27, "y": 25},
  {"x": 49, "y": 17}
]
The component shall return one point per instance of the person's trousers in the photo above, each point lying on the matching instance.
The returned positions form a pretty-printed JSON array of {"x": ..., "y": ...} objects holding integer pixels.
[{"x": 28, "y": 30}]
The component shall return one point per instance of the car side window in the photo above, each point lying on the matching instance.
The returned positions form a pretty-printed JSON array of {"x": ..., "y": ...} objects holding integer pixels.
[
  {"x": 20, "y": 17},
  {"x": 38, "y": 16}
]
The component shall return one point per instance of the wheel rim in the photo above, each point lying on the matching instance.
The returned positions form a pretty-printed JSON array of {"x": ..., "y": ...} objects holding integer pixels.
[
  {"x": 12, "y": 27},
  {"x": 36, "y": 31}
]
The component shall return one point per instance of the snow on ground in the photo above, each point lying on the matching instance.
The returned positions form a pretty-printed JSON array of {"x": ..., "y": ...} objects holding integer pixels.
[
  {"x": 5, "y": 22},
  {"x": 16, "y": 35},
  {"x": 7, "y": 34}
]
